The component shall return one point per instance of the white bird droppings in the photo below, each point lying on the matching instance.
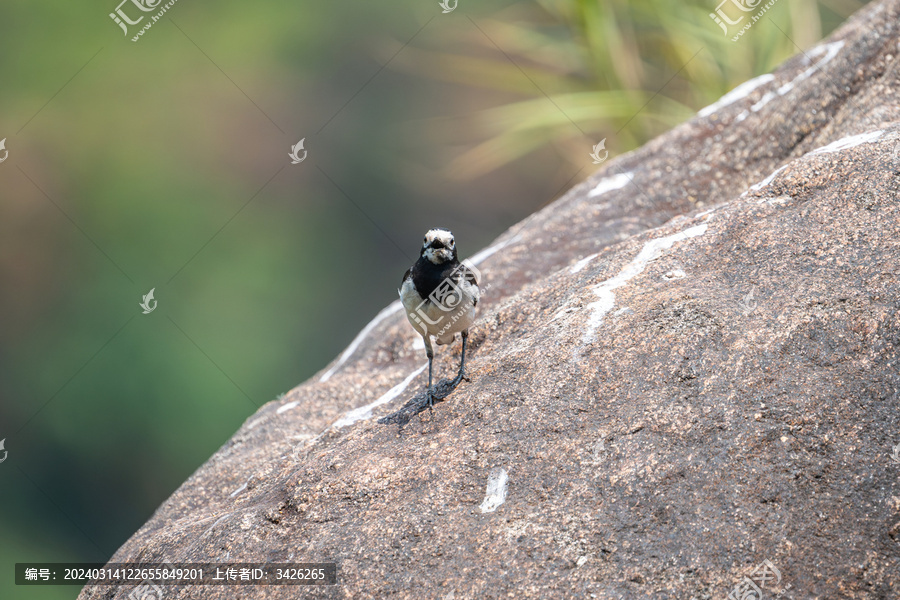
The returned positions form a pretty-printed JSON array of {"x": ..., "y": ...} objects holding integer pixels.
[{"x": 495, "y": 495}]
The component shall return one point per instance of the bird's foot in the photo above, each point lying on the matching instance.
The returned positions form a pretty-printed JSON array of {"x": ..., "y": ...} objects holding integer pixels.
[
  {"x": 424, "y": 399},
  {"x": 457, "y": 380},
  {"x": 444, "y": 388}
]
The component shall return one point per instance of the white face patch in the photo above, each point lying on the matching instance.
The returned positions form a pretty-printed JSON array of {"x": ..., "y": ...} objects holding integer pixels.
[
  {"x": 439, "y": 255},
  {"x": 439, "y": 234}
]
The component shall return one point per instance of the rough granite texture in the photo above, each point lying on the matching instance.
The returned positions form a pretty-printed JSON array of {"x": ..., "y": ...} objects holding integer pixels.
[{"x": 718, "y": 386}]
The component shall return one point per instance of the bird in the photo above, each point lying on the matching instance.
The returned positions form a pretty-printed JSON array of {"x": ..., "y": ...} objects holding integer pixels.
[{"x": 440, "y": 296}]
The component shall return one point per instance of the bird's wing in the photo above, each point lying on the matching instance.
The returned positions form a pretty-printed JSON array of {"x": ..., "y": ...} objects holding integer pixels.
[
  {"x": 468, "y": 275},
  {"x": 405, "y": 277}
]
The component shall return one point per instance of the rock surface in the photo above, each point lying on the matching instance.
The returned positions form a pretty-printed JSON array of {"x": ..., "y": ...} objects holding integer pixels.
[{"x": 685, "y": 367}]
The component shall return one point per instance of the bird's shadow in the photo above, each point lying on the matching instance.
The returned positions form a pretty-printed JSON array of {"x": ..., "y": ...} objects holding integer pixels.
[{"x": 419, "y": 402}]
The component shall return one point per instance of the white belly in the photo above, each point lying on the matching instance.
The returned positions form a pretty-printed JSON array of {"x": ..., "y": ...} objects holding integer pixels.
[{"x": 441, "y": 322}]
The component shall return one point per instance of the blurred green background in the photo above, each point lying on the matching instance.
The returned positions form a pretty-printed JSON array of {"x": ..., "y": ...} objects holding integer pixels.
[{"x": 164, "y": 164}]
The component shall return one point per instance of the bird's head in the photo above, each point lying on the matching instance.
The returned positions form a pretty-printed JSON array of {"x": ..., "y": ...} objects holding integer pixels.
[{"x": 439, "y": 246}]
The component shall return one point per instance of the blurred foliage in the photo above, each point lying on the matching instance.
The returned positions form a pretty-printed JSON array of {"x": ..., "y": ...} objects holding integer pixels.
[
  {"x": 625, "y": 71},
  {"x": 163, "y": 164}
]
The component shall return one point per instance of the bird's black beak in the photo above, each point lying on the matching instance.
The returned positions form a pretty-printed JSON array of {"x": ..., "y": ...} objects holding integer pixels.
[{"x": 436, "y": 244}]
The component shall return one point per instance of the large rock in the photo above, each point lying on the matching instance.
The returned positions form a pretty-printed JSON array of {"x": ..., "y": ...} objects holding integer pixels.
[{"x": 685, "y": 367}]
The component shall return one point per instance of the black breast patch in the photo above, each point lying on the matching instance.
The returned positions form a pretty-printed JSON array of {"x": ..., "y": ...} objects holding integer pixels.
[{"x": 426, "y": 275}]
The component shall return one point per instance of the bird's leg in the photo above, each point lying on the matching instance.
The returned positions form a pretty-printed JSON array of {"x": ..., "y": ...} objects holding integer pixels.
[
  {"x": 462, "y": 362},
  {"x": 430, "y": 352}
]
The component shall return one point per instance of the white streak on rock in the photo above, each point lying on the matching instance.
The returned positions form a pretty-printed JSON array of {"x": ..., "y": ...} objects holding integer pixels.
[
  {"x": 604, "y": 291},
  {"x": 256, "y": 422},
  {"x": 211, "y": 527},
  {"x": 768, "y": 179},
  {"x": 608, "y": 184},
  {"x": 841, "y": 144},
  {"x": 829, "y": 50},
  {"x": 480, "y": 256},
  {"x": 847, "y": 142},
  {"x": 365, "y": 412},
  {"x": 762, "y": 102},
  {"x": 741, "y": 91},
  {"x": 391, "y": 308},
  {"x": 235, "y": 493},
  {"x": 286, "y": 407},
  {"x": 495, "y": 494},
  {"x": 581, "y": 264}
]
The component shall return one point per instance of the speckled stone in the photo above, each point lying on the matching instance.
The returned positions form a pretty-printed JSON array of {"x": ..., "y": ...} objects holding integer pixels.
[{"x": 662, "y": 434}]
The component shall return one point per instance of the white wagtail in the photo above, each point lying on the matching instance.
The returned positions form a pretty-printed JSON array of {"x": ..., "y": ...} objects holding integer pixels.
[{"x": 440, "y": 295}]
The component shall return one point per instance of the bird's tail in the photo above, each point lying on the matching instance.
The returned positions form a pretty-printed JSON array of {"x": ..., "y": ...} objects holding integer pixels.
[{"x": 447, "y": 339}]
